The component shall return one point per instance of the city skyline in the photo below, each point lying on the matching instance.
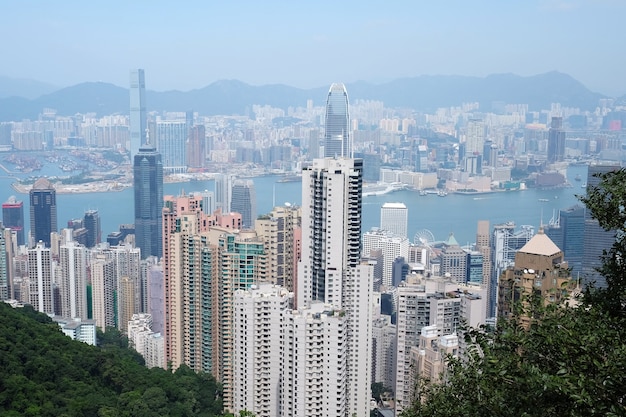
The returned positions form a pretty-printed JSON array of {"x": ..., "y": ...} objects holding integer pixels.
[{"x": 368, "y": 42}]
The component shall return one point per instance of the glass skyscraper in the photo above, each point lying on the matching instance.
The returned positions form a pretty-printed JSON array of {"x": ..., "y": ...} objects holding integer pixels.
[
  {"x": 13, "y": 217},
  {"x": 137, "y": 111},
  {"x": 244, "y": 202},
  {"x": 148, "y": 185},
  {"x": 337, "y": 135},
  {"x": 43, "y": 211}
]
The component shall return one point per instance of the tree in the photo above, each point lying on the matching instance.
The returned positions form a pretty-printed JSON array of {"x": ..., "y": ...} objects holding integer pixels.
[{"x": 570, "y": 361}]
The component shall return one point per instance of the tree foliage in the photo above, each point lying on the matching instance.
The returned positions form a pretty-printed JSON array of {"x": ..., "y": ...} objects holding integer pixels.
[
  {"x": 571, "y": 360},
  {"x": 45, "y": 373}
]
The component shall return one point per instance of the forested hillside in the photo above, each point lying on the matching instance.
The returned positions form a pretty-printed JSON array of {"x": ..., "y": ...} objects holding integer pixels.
[{"x": 45, "y": 373}]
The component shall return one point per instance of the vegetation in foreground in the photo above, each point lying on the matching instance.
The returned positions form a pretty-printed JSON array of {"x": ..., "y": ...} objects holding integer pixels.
[
  {"x": 570, "y": 362},
  {"x": 45, "y": 373}
]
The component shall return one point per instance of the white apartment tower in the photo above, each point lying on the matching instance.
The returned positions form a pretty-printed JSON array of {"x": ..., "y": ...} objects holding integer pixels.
[
  {"x": 394, "y": 218},
  {"x": 393, "y": 246},
  {"x": 73, "y": 280},
  {"x": 40, "y": 279},
  {"x": 258, "y": 348},
  {"x": 330, "y": 271}
]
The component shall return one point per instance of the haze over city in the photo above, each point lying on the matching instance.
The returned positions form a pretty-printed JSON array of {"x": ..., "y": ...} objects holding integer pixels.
[{"x": 190, "y": 45}]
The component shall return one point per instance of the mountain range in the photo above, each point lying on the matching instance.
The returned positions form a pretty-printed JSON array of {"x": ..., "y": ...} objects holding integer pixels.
[{"x": 228, "y": 97}]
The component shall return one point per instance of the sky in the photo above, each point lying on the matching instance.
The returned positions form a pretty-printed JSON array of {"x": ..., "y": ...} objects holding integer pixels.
[{"x": 190, "y": 44}]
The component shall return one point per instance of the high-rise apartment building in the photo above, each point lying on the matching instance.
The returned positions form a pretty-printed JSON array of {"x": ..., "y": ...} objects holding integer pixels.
[
  {"x": 258, "y": 354},
  {"x": 596, "y": 239},
  {"x": 40, "y": 279},
  {"x": 138, "y": 122},
  {"x": 43, "y": 211},
  {"x": 243, "y": 200},
  {"x": 337, "y": 141},
  {"x": 148, "y": 186},
  {"x": 103, "y": 290},
  {"x": 279, "y": 231},
  {"x": 330, "y": 270},
  {"x": 475, "y": 137},
  {"x": 423, "y": 302},
  {"x": 394, "y": 218},
  {"x": 483, "y": 246},
  {"x": 13, "y": 217},
  {"x": 171, "y": 142},
  {"x": 6, "y": 278},
  {"x": 73, "y": 280}
]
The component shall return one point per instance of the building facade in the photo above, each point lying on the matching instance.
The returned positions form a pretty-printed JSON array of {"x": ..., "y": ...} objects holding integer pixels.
[
  {"x": 337, "y": 141},
  {"x": 148, "y": 189},
  {"x": 138, "y": 121},
  {"x": 43, "y": 211},
  {"x": 394, "y": 218},
  {"x": 13, "y": 217}
]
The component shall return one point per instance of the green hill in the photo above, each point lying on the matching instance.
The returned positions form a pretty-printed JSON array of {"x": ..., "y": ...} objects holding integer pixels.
[{"x": 45, "y": 373}]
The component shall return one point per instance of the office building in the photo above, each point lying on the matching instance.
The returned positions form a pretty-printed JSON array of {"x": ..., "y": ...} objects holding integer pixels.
[
  {"x": 474, "y": 137},
  {"x": 540, "y": 270},
  {"x": 453, "y": 260},
  {"x": 78, "y": 329},
  {"x": 596, "y": 239},
  {"x": 392, "y": 246},
  {"x": 43, "y": 211},
  {"x": 337, "y": 141},
  {"x": 556, "y": 141},
  {"x": 196, "y": 147},
  {"x": 505, "y": 242},
  {"x": 243, "y": 201},
  {"x": 148, "y": 186},
  {"x": 40, "y": 284},
  {"x": 138, "y": 121},
  {"x": 568, "y": 233},
  {"x": 171, "y": 143},
  {"x": 223, "y": 191},
  {"x": 394, "y": 218},
  {"x": 13, "y": 217},
  {"x": 91, "y": 222}
]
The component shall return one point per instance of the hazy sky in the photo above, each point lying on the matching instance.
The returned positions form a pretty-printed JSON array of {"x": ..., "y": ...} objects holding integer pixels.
[{"x": 186, "y": 45}]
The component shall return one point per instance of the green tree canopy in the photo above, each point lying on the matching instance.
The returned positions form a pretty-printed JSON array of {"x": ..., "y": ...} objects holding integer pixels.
[{"x": 571, "y": 360}]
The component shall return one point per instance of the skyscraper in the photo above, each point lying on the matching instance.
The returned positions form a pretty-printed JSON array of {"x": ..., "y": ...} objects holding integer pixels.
[
  {"x": 171, "y": 142},
  {"x": 556, "y": 141},
  {"x": 138, "y": 123},
  {"x": 13, "y": 217},
  {"x": 393, "y": 218},
  {"x": 73, "y": 280},
  {"x": 331, "y": 227},
  {"x": 223, "y": 191},
  {"x": 43, "y": 211},
  {"x": 596, "y": 239},
  {"x": 244, "y": 202},
  {"x": 91, "y": 222},
  {"x": 40, "y": 293},
  {"x": 196, "y": 146},
  {"x": 148, "y": 185},
  {"x": 330, "y": 270},
  {"x": 337, "y": 134}
]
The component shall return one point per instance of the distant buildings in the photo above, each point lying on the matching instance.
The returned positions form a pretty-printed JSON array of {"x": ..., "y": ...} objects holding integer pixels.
[
  {"x": 172, "y": 142},
  {"x": 556, "y": 141},
  {"x": 243, "y": 200}
]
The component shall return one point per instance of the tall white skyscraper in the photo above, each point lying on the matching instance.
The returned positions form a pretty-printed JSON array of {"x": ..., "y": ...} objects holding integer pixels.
[
  {"x": 73, "y": 280},
  {"x": 171, "y": 143},
  {"x": 394, "y": 218},
  {"x": 330, "y": 270},
  {"x": 40, "y": 279},
  {"x": 223, "y": 191}
]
